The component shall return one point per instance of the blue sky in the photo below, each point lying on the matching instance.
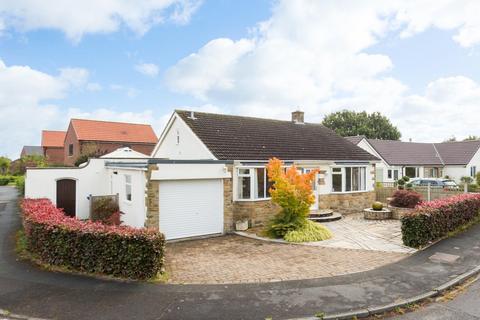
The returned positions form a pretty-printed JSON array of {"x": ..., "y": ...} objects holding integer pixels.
[{"x": 412, "y": 61}]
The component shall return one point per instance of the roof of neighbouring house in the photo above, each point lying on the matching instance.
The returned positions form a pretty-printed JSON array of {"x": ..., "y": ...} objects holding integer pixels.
[
  {"x": 52, "y": 138},
  {"x": 95, "y": 130},
  {"x": 423, "y": 153},
  {"x": 458, "y": 153},
  {"x": 32, "y": 150},
  {"x": 406, "y": 153},
  {"x": 245, "y": 138},
  {"x": 125, "y": 153}
]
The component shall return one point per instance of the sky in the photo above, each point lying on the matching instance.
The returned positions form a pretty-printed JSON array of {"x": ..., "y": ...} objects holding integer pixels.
[{"x": 417, "y": 62}]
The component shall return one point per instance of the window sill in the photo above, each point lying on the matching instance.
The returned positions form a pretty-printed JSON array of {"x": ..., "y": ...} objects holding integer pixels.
[
  {"x": 252, "y": 200},
  {"x": 348, "y": 192}
]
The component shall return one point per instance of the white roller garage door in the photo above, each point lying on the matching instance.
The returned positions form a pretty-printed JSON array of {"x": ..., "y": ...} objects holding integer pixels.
[{"x": 190, "y": 208}]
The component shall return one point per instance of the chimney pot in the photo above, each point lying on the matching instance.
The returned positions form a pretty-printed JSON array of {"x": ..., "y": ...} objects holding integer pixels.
[{"x": 298, "y": 116}]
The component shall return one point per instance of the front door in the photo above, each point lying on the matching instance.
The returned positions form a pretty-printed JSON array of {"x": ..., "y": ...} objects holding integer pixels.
[
  {"x": 314, "y": 189},
  {"x": 66, "y": 196}
]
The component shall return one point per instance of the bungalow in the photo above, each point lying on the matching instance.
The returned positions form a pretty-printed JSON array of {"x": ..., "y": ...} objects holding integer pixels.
[
  {"x": 421, "y": 160},
  {"x": 209, "y": 170}
]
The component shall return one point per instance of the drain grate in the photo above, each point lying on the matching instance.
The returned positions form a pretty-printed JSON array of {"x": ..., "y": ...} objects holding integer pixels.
[{"x": 444, "y": 257}]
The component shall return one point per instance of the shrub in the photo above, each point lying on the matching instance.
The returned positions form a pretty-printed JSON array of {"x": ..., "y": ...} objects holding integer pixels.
[
  {"x": 406, "y": 178},
  {"x": 473, "y": 188},
  {"x": 20, "y": 184},
  {"x": 409, "y": 186},
  {"x": 435, "y": 219},
  {"x": 310, "y": 231},
  {"x": 405, "y": 199},
  {"x": 401, "y": 182},
  {"x": 106, "y": 210},
  {"x": 88, "y": 246},
  {"x": 292, "y": 191},
  {"x": 477, "y": 177},
  {"x": 4, "y": 180}
]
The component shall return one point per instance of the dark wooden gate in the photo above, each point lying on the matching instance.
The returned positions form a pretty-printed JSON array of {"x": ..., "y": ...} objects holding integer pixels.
[{"x": 66, "y": 196}]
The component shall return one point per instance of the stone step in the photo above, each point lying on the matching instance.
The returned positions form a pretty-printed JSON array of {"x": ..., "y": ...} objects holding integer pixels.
[
  {"x": 334, "y": 217},
  {"x": 321, "y": 213}
]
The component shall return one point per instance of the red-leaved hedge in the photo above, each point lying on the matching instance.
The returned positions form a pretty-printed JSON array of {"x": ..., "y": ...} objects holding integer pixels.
[
  {"x": 433, "y": 220},
  {"x": 91, "y": 246},
  {"x": 405, "y": 199}
]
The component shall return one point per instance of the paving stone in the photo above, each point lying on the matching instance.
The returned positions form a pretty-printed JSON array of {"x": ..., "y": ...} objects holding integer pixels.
[{"x": 235, "y": 259}]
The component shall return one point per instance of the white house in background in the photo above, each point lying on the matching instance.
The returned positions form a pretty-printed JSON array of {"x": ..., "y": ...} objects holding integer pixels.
[
  {"x": 421, "y": 160},
  {"x": 209, "y": 170}
]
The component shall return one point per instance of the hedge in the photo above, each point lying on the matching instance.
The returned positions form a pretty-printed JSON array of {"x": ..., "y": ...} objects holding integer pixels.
[
  {"x": 91, "y": 247},
  {"x": 435, "y": 219}
]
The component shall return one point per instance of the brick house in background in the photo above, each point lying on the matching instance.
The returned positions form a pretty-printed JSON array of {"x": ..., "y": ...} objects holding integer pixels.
[
  {"x": 101, "y": 137},
  {"x": 52, "y": 145}
]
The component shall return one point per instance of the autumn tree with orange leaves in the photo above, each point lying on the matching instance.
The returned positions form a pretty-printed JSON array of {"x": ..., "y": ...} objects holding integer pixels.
[{"x": 292, "y": 191}]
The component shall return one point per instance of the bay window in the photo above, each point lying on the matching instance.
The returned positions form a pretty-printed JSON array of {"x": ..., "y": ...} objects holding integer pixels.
[
  {"x": 253, "y": 184},
  {"x": 349, "y": 179}
]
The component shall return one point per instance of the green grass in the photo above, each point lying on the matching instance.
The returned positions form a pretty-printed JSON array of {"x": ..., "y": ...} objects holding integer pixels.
[{"x": 310, "y": 232}]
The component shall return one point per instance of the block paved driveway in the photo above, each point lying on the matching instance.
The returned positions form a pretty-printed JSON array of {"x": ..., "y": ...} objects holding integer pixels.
[{"x": 235, "y": 259}]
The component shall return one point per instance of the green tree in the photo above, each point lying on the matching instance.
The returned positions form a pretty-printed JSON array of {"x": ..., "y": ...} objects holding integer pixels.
[
  {"x": 4, "y": 165},
  {"x": 471, "y": 138},
  {"x": 19, "y": 166},
  {"x": 371, "y": 125}
]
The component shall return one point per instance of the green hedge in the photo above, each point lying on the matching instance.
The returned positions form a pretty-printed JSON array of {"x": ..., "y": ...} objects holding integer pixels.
[
  {"x": 435, "y": 219},
  {"x": 91, "y": 247}
]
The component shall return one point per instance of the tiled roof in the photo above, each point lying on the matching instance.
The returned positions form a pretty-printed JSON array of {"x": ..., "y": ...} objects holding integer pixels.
[
  {"x": 406, "y": 153},
  {"x": 418, "y": 153},
  {"x": 94, "y": 130},
  {"x": 246, "y": 138},
  {"x": 457, "y": 153},
  {"x": 32, "y": 150},
  {"x": 53, "y": 138},
  {"x": 355, "y": 139}
]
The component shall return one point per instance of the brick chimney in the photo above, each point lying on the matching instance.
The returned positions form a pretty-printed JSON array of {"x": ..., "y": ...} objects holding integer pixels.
[{"x": 298, "y": 116}]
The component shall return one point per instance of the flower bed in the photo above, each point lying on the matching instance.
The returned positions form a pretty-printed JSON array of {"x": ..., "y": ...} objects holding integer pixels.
[
  {"x": 435, "y": 219},
  {"x": 92, "y": 247}
]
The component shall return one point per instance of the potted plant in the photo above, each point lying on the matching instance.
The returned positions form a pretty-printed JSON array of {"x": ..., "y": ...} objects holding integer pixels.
[{"x": 241, "y": 224}]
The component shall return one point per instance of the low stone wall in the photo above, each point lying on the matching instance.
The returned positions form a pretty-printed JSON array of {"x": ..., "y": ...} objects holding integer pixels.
[
  {"x": 398, "y": 213},
  {"x": 346, "y": 202},
  {"x": 258, "y": 212}
]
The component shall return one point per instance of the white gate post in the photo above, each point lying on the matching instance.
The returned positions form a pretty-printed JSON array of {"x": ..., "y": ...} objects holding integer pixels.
[{"x": 429, "y": 195}]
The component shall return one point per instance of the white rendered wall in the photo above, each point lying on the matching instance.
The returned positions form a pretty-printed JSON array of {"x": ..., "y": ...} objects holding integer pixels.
[
  {"x": 188, "y": 146},
  {"x": 91, "y": 179},
  {"x": 456, "y": 172},
  {"x": 134, "y": 211}
]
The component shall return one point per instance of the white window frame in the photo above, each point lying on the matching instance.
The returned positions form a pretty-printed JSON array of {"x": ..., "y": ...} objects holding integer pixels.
[
  {"x": 473, "y": 171},
  {"x": 417, "y": 171},
  {"x": 128, "y": 184},
  {"x": 253, "y": 183},
  {"x": 390, "y": 174},
  {"x": 363, "y": 182}
]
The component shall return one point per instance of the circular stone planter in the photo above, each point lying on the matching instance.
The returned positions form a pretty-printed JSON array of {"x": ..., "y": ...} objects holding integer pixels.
[{"x": 370, "y": 214}]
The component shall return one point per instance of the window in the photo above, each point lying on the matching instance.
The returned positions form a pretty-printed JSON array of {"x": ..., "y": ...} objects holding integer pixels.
[
  {"x": 244, "y": 183},
  {"x": 70, "y": 150},
  {"x": 128, "y": 187},
  {"x": 395, "y": 175},
  {"x": 473, "y": 171},
  {"x": 411, "y": 172},
  {"x": 349, "y": 179},
  {"x": 255, "y": 179},
  {"x": 390, "y": 176}
]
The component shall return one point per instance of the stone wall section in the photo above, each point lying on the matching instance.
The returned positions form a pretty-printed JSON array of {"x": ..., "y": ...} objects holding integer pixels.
[
  {"x": 347, "y": 202},
  {"x": 152, "y": 200}
]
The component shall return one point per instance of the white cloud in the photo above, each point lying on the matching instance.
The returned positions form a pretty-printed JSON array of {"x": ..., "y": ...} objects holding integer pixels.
[
  {"x": 148, "y": 69},
  {"x": 313, "y": 55},
  {"x": 76, "y": 18},
  {"x": 129, "y": 91}
]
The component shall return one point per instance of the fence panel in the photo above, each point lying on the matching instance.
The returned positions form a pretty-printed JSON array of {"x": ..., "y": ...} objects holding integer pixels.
[{"x": 384, "y": 190}]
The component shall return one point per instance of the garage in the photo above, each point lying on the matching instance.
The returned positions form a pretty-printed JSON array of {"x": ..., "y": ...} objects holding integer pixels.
[{"x": 190, "y": 208}]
